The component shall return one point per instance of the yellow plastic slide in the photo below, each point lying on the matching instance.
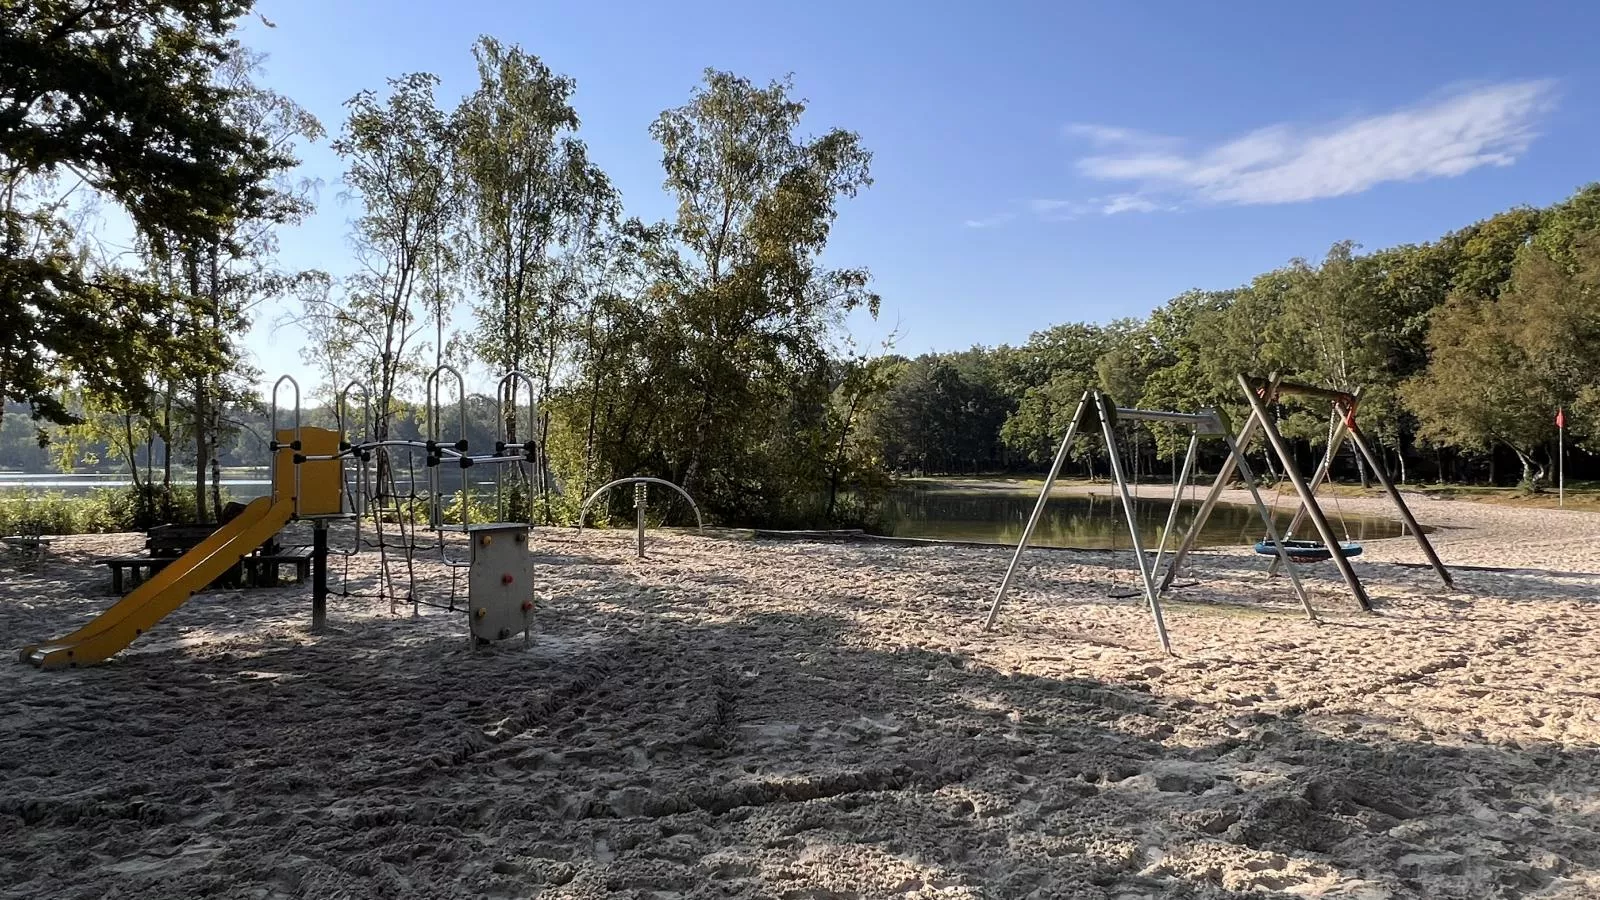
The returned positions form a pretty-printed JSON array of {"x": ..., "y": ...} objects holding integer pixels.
[{"x": 151, "y": 601}]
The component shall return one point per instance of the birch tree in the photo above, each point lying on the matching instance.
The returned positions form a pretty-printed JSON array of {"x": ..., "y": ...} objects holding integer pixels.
[{"x": 373, "y": 326}]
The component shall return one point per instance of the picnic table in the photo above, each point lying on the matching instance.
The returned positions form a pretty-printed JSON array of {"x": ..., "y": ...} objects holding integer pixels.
[{"x": 166, "y": 543}]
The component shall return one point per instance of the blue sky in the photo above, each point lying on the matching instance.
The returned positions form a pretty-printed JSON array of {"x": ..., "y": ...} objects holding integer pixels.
[{"x": 1035, "y": 163}]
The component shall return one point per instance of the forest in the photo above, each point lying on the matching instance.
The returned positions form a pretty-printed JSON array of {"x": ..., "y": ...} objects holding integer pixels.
[{"x": 710, "y": 348}]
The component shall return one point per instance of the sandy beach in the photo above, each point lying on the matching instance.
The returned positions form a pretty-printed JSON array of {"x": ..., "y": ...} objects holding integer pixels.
[{"x": 804, "y": 719}]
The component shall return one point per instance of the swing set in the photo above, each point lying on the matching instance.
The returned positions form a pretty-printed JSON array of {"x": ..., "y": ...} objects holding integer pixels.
[
  {"x": 1342, "y": 426},
  {"x": 1095, "y": 408}
]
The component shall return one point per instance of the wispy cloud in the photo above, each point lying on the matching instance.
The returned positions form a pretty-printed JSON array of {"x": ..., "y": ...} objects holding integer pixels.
[
  {"x": 1058, "y": 210},
  {"x": 1486, "y": 126},
  {"x": 990, "y": 221},
  {"x": 1122, "y": 203}
]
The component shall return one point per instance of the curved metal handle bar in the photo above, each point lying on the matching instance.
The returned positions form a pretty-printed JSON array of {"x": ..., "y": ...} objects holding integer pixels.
[
  {"x": 583, "y": 511},
  {"x": 357, "y": 497},
  {"x": 434, "y": 410},
  {"x": 504, "y": 393},
  {"x": 276, "y": 386},
  {"x": 274, "y": 436},
  {"x": 366, "y": 409}
]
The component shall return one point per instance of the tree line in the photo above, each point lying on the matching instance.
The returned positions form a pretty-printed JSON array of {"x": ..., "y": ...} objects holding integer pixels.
[{"x": 1465, "y": 348}]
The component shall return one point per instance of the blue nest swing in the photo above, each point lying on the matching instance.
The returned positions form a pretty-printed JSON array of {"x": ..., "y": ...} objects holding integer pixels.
[{"x": 1306, "y": 551}]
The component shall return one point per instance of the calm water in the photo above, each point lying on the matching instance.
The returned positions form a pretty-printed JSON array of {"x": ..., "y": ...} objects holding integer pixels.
[
  {"x": 239, "y": 488},
  {"x": 1091, "y": 521}
]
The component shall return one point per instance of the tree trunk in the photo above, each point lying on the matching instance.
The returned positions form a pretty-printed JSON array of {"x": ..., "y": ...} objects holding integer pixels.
[
  {"x": 201, "y": 416},
  {"x": 166, "y": 443},
  {"x": 838, "y": 458},
  {"x": 1532, "y": 471},
  {"x": 216, "y": 489}
]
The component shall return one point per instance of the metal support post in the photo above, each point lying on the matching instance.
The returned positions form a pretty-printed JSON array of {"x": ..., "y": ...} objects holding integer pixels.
[
  {"x": 1177, "y": 496},
  {"x": 1117, "y": 475},
  {"x": 319, "y": 575},
  {"x": 1242, "y": 442},
  {"x": 640, "y": 499},
  {"x": 1038, "y": 511},
  {"x": 1272, "y": 529}
]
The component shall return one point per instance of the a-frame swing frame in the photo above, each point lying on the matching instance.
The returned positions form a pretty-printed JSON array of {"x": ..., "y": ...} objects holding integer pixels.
[
  {"x": 1260, "y": 392},
  {"x": 1095, "y": 407}
]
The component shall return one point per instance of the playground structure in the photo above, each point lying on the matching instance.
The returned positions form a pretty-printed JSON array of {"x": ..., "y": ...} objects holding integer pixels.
[
  {"x": 349, "y": 473},
  {"x": 310, "y": 471},
  {"x": 641, "y": 501},
  {"x": 1095, "y": 408},
  {"x": 1259, "y": 393},
  {"x": 308, "y": 492}
]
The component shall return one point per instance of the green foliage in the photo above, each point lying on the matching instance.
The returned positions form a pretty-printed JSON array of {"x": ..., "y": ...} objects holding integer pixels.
[
  {"x": 124, "y": 101},
  {"x": 707, "y": 354},
  {"x": 101, "y": 511},
  {"x": 464, "y": 509},
  {"x": 1499, "y": 367}
]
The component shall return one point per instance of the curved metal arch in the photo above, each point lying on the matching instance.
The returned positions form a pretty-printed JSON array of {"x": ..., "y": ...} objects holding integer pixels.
[
  {"x": 583, "y": 511},
  {"x": 433, "y": 412},
  {"x": 273, "y": 436},
  {"x": 505, "y": 393}
]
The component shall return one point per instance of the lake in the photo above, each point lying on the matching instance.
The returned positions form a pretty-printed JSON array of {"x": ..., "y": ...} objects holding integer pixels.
[{"x": 997, "y": 514}]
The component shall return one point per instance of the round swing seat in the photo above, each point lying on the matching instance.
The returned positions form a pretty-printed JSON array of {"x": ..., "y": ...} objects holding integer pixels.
[{"x": 1306, "y": 551}]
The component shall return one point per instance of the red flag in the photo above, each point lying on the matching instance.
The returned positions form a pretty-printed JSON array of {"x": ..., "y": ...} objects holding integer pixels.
[{"x": 1561, "y": 418}]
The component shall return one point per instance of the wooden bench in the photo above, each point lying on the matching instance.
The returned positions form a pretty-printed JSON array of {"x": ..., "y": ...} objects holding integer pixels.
[
  {"x": 262, "y": 569},
  {"x": 255, "y": 570},
  {"x": 122, "y": 565}
]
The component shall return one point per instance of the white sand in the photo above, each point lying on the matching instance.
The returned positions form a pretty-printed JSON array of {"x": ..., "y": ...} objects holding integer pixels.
[{"x": 809, "y": 720}]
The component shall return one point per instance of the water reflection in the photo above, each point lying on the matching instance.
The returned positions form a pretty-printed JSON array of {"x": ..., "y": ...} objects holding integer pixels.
[{"x": 1089, "y": 521}]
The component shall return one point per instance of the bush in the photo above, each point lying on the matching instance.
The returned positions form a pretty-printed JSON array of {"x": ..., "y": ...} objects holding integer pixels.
[
  {"x": 100, "y": 511},
  {"x": 51, "y": 513}
]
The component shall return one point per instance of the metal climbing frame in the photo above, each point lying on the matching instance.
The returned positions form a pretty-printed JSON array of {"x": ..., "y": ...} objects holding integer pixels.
[
  {"x": 640, "y": 500},
  {"x": 1258, "y": 393},
  {"x": 1096, "y": 407}
]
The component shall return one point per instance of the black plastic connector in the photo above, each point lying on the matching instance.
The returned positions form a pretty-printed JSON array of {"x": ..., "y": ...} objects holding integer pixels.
[
  {"x": 461, "y": 445},
  {"x": 466, "y": 462},
  {"x": 299, "y": 458}
]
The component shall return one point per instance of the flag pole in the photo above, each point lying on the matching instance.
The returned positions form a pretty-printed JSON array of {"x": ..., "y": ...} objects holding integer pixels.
[{"x": 1561, "y": 458}]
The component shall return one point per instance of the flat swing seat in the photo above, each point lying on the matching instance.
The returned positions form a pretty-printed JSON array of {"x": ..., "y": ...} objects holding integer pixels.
[{"x": 1306, "y": 551}]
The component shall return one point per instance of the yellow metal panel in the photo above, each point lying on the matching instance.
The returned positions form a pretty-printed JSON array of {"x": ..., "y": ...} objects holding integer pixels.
[
  {"x": 321, "y": 486},
  {"x": 150, "y": 602}
]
